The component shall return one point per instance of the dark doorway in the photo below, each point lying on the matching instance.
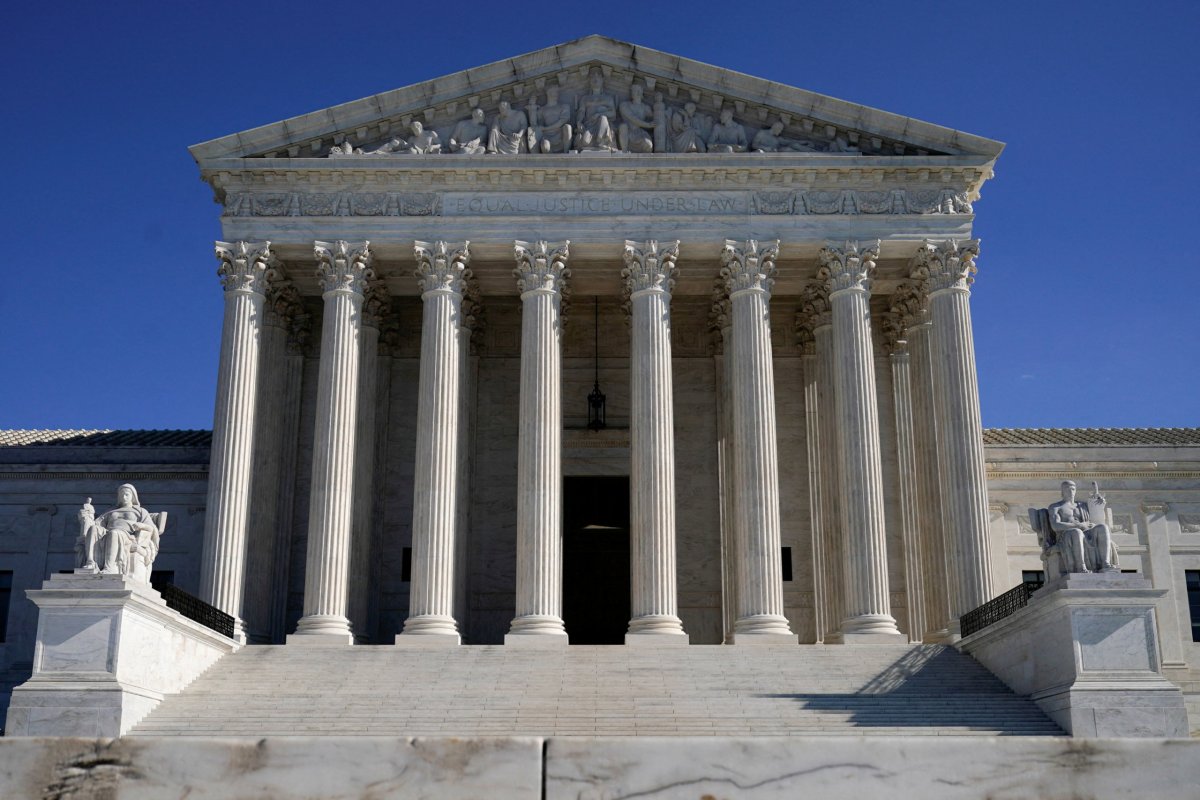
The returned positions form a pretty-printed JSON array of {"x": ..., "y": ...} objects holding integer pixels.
[{"x": 596, "y": 559}]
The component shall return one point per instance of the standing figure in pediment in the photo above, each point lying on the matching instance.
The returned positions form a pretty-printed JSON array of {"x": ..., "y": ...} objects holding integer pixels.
[
  {"x": 551, "y": 125},
  {"x": 595, "y": 111},
  {"x": 637, "y": 123},
  {"x": 727, "y": 136},
  {"x": 469, "y": 136},
  {"x": 687, "y": 135},
  {"x": 509, "y": 131},
  {"x": 770, "y": 140}
]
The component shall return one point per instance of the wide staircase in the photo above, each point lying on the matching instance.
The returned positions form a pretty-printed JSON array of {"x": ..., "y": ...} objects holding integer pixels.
[{"x": 596, "y": 691}]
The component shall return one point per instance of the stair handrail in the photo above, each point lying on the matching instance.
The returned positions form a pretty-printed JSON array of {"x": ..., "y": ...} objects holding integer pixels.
[
  {"x": 998, "y": 608},
  {"x": 195, "y": 609}
]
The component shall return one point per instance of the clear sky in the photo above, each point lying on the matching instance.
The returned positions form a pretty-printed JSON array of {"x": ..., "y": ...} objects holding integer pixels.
[{"x": 1086, "y": 302}]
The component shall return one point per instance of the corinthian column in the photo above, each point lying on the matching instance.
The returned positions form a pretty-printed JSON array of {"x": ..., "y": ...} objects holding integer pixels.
[
  {"x": 867, "y": 615},
  {"x": 441, "y": 272},
  {"x": 949, "y": 266},
  {"x": 911, "y": 302},
  {"x": 376, "y": 306},
  {"x": 895, "y": 344},
  {"x": 747, "y": 272},
  {"x": 243, "y": 272},
  {"x": 541, "y": 276},
  {"x": 815, "y": 326},
  {"x": 649, "y": 278},
  {"x": 721, "y": 322},
  {"x": 343, "y": 270}
]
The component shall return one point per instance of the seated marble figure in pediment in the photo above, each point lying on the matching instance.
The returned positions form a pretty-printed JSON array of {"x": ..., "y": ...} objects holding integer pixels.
[{"x": 595, "y": 114}]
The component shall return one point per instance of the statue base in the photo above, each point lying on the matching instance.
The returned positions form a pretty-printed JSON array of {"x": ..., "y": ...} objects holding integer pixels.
[
  {"x": 108, "y": 651},
  {"x": 1086, "y": 650}
]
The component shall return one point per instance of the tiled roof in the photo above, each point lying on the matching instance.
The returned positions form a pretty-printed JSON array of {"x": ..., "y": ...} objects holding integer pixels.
[
  {"x": 104, "y": 438},
  {"x": 1091, "y": 436}
]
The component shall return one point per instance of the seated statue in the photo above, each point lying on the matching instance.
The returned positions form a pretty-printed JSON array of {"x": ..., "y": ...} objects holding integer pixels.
[
  {"x": 121, "y": 541},
  {"x": 509, "y": 131},
  {"x": 550, "y": 131},
  {"x": 769, "y": 140},
  {"x": 688, "y": 130},
  {"x": 1075, "y": 537},
  {"x": 727, "y": 136},
  {"x": 422, "y": 141},
  {"x": 469, "y": 136},
  {"x": 595, "y": 111},
  {"x": 635, "y": 133}
]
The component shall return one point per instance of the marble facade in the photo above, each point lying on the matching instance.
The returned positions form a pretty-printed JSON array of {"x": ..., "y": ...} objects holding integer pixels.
[{"x": 388, "y": 385}]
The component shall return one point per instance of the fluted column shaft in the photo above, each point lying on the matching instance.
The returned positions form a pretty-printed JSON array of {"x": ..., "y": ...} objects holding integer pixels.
[
  {"x": 374, "y": 308},
  {"x": 441, "y": 270},
  {"x": 343, "y": 270},
  {"x": 748, "y": 271},
  {"x": 816, "y": 503},
  {"x": 925, "y": 436},
  {"x": 541, "y": 275},
  {"x": 649, "y": 279},
  {"x": 909, "y": 499},
  {"x": 949, "y": 266},
  {"x": 243, "y": 272},
  {"x": 832, "y": 533},
  {"x": 725, "y": 459},
  {"x": 867, "y": 613},
  {"x": 291, "y": 377}
]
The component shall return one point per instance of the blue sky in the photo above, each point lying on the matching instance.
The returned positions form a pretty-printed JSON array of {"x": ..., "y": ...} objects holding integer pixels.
[{"x": 1085, "y": 306}]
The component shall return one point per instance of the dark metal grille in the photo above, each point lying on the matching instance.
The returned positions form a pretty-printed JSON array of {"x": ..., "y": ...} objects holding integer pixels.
[
  {"x": 196, "y": 609},
  {"x": 997, "y": 608}
]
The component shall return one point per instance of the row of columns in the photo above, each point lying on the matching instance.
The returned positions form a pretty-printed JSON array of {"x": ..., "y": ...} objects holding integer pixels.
[
  {"x": 848, "y": 524},
  {"x": 943, "y": 502}
]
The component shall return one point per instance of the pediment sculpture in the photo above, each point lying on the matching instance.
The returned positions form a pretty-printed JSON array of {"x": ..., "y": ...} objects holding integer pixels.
[
  {"x": 1075, "y": 536},
  {"x": 595, "y": 118},
  {"x": 123, "y": 540}
]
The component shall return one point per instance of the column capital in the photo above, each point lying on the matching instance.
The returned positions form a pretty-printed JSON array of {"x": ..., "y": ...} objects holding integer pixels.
[
  {"x": 245, "y": 266},
  {"x": 442, "y": 266},
  {"x": 720, "y": 317},
  {"x": 343, "y": 267},
  {"x": 649, "y": 265},
  {"x": 283, "y": 303},
  {"x": 894, "y": 334},
  {"x": 814, "y": 312},
  {"x": 848, "y": 265},
  {"x": 472, "y": 312},
  {"x": 377, "y": 304},
  {"x": 910, "y": 304},
  {"x": 749, "y": 265},
  {"x": 542, "y": 266},
  {"x": 948, "y": 264},
  {"x": 299, "y": 331}
]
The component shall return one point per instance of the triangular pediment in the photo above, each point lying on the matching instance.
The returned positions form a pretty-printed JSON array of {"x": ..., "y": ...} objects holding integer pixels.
[{"x": 683, "y": 101}]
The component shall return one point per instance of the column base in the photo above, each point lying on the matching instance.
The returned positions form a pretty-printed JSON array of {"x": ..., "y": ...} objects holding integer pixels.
[
  {"x": 322, "y": 629},
  {"x": 765, "y": 639},
  {"x": 430, "y": 625},
  {"x": 870, "y": 625},
  {"x": 762, "y": 625},
  {"x": 407, "y": 639},
  {"x": 668, "y": 624},
  {"x": 536, "y": 641},
  {"x": 940, "y": 636},
  {"x": 537, "y": 624},
  {"x": 680, "y": 639}
]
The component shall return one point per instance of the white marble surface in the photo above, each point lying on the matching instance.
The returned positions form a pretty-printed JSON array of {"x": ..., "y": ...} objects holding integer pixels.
[
  {"x": 249, "y": 769},
  {"x": 1089, "y": 657},
  {"x": 108, "y": 651},
  {"x": 931, "y": 768}
]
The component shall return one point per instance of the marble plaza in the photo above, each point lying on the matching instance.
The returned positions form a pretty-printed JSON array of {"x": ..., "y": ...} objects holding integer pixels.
[{"x": 601, "y": 346}]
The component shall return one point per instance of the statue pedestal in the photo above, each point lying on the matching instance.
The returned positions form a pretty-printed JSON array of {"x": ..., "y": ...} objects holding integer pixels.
[
  {"x": 108, "y": 650},
  {"x": 1086, "y": 650}
]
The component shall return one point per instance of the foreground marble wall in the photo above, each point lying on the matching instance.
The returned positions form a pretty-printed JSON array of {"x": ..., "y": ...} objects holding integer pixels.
[{"x": 609, "y": 768}]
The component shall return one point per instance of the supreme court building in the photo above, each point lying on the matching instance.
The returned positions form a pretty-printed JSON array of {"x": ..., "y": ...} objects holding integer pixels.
[{"x": 599, "y": 344}]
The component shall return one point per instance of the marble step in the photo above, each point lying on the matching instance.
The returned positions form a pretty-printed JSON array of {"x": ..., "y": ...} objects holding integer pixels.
[{"x": 491, "y": 690}]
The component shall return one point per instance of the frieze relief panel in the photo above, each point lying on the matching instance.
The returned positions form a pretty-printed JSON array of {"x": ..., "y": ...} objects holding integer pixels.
[
  {"x": 900, "y": 201},
  {"x": 595, "y": 108}
]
